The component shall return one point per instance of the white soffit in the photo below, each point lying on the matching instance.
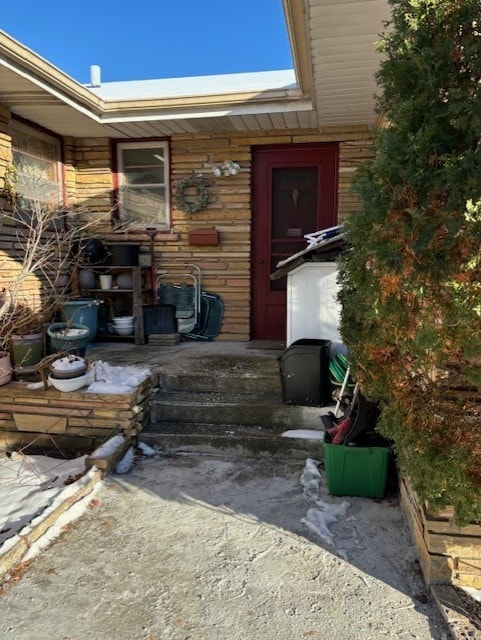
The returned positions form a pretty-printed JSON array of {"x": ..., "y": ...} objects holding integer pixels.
[{"x": 342, "y": 36}]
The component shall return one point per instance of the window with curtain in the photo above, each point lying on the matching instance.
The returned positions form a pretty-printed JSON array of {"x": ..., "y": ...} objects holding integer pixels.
[
  {"x": 37, "y": 166},
  {"x": 143, "y": 183}
]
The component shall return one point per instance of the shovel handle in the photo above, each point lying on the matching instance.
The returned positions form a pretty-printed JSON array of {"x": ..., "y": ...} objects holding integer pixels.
[{"x": 341, "y": 392}]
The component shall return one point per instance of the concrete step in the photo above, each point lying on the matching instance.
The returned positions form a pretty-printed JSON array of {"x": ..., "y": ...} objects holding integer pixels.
[
  {"x": 175, "y": 437},
  {"x": 239, "y": 374},
  {"x": 246, "y": 409},
  {"x": 221, "y": 381},
  {"x": 229, "y": 400}
]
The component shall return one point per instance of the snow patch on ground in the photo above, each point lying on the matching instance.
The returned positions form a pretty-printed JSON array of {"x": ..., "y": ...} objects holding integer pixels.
[
  {"x": 126, "y": 463},
  {"x": 109, "y": 447},
  {"x": 73, "y": 513},
  {"x": 34, "y": 486},
  {"x": 147, "y": 451},
  {"x": 29, "y": 484},
  {"x": 304, "y": 434},
  {"x": 474, "y": 593},
  {"x": 318, "y": 520},
  {"x": 311, "y": 479}
]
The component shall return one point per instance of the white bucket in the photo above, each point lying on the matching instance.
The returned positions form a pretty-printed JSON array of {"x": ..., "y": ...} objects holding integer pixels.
[{"x": 105, "y": 281}]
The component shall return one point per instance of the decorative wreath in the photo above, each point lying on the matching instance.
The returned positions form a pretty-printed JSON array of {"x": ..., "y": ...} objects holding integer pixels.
[{"x": 199, "y": 183}]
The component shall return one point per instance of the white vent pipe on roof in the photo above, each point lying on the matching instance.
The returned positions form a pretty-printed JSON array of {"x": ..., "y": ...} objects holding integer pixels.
[{"x": 94, "y": 75}]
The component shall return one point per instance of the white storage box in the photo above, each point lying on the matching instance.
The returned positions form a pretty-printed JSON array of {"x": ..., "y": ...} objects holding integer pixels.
[{"x": 312, "y": 307}]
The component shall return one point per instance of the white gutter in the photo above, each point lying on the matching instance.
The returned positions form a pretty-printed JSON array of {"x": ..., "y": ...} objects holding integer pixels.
[
  {"x": 236, "y": 110},
  {"x": 48, "y": 88}
]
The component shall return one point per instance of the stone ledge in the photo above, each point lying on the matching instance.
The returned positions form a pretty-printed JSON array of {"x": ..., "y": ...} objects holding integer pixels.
[
  {"x": 455, "y": 613},
  {"x": 28, "y": 414},
  {"x": 105, "y": 457}
]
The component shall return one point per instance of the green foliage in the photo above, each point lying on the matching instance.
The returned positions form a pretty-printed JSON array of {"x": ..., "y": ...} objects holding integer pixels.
[{"x": 411, "y": 290}]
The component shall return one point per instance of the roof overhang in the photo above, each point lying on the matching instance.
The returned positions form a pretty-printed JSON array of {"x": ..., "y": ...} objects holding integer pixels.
[
  {"x": 334, "y": 59},
  {"x": 333, "y": 44}
]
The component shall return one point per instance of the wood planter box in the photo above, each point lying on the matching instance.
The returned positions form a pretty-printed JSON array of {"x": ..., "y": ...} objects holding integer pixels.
[
  {"x": 74, "y": 420},
  {"x": 447, "y": 554},
  {"x": 204, "y": 237}
]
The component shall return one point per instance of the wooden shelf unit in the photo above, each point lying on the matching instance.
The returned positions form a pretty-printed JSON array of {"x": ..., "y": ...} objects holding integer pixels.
[{"x": 137, "y": 293}]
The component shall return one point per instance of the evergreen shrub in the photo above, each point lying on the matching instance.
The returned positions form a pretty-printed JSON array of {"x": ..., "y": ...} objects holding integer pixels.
[{"x": 411, "y": 283}]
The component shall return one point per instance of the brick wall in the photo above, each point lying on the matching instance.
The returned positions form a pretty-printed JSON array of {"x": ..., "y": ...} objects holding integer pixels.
[{"x": 93, "y": 164}]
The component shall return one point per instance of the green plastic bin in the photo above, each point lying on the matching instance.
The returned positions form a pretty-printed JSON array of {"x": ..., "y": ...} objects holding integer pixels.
[{"x": 356, "y": 471}]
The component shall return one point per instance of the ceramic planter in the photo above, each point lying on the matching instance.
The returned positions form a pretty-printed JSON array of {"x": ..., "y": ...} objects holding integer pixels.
[
  {"x": 27, "y": 350},
  {"x": 69, "y": 337},
  {"x": 5, "y": 367},
  {"x": 82, "y": 312}
]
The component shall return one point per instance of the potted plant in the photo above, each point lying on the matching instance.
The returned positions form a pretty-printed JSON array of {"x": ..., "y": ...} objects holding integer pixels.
[
  {"x": 23, "y": 331},
  {"x": 68, "y": 336}
]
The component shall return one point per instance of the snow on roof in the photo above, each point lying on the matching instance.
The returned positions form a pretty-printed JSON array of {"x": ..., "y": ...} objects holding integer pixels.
[
  {"x": 323, "y": 239},
  {"x": 196, "y": 85}
]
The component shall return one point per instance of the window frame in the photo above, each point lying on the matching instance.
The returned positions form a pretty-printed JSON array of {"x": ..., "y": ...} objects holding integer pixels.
[{"x": 120, "y": 146}]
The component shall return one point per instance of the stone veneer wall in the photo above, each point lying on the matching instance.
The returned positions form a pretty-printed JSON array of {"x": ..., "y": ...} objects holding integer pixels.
[
  {"x": 226, "y": 267},
  {"x": 5, "y": 142},
  {"x": 11, "y": 253},
  {"x": 75, "y": 420}
]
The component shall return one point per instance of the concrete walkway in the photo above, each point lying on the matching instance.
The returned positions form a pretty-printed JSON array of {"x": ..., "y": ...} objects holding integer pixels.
[{"x": 207, "y": 547}]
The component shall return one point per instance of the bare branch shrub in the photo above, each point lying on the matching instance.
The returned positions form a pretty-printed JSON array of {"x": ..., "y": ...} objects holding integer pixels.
[{"x": 42, "y": 244}]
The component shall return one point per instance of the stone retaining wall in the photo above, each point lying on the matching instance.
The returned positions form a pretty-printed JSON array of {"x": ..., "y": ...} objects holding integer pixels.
[
  {"x": 447, "y": 554},
  {"x": 74, "y": 421}
]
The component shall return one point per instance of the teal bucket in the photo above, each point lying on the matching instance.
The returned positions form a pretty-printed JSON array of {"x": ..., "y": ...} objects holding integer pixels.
[{"x": 82, "y": 312}]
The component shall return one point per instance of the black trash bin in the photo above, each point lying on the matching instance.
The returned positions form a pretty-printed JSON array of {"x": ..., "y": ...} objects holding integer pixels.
[{"x": 304, "y": 369}]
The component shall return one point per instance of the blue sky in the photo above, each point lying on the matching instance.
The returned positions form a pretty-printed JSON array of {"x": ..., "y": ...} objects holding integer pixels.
[{"x": 145, "y": 39}]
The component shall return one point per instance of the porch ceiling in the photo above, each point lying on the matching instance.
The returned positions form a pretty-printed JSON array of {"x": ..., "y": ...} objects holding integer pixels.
[
  {"x": 334, "y": 58},
  {"x": 344, "y": 60}
]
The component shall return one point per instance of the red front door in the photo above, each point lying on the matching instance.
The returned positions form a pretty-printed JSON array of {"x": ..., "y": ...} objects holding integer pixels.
[{"x": 294, "y": 193}]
